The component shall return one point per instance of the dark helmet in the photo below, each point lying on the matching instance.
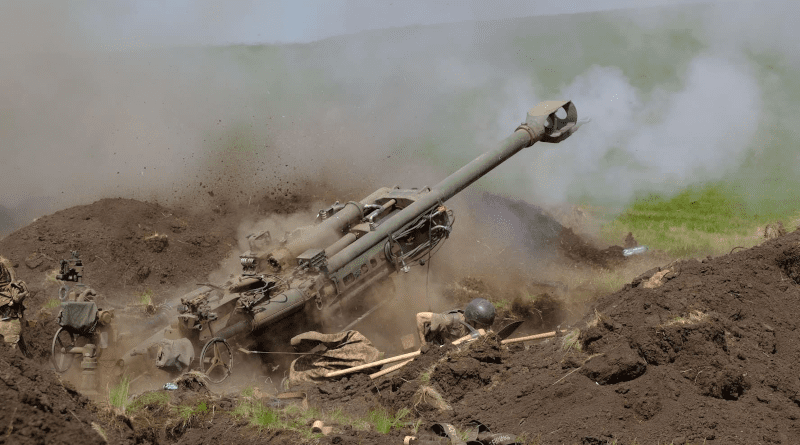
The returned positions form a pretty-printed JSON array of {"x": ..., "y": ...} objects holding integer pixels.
[{"x": 480, "y": 311}]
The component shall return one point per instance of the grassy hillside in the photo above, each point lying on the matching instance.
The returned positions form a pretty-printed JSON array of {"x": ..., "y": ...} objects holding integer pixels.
[{"x": 710, "y": 219}]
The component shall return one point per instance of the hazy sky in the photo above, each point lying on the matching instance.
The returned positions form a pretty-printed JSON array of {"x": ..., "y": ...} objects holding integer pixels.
[
  {"x": 132, "y": 24},
  {"x": 73, "y": 81}
]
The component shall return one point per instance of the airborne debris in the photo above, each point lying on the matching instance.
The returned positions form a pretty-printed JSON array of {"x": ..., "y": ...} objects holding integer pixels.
[{"x": 317, "y": 278}]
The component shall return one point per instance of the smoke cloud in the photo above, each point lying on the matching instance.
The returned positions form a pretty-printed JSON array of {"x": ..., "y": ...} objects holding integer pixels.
[
  {"x": 663, "y": 143},
  {"x": 676, "y": 96}
]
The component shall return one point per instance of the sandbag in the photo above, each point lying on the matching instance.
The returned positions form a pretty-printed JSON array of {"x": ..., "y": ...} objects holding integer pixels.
[{"x": 343, "y": 350}]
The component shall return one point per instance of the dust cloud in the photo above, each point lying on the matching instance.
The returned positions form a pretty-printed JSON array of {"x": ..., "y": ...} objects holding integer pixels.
[{"x": 677, "y": 96}]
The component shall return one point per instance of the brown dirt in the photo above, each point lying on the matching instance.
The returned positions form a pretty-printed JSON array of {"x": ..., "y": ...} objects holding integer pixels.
[
  {"x": 703, "y": 353},
  {"x": 37, "y": 408},
  {"x": 691, "y": 352},
  {"x": 128, "y": 248}
]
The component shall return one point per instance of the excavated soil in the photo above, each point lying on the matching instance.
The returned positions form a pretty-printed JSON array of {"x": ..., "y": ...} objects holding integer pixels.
[
  {"x": 129, "y": 248},
  {"x": 695, "y": 351},
  {"x": 692, "y": 352}
]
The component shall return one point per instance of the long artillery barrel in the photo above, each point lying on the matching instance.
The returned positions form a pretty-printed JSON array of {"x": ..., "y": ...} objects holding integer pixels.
[
  {"x": 542, "y": 124},
  {"x": 336, "y": 259}
]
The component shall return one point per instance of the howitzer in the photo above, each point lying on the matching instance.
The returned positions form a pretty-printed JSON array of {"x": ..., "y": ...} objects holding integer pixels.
[{"x": 352, "y": 247}]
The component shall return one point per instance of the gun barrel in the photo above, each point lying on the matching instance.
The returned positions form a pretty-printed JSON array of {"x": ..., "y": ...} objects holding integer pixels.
[{"x": 543, "y": 124}]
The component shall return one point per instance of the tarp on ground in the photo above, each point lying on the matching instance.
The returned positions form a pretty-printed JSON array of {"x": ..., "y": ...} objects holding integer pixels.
[{"x": 343, "y": 350}]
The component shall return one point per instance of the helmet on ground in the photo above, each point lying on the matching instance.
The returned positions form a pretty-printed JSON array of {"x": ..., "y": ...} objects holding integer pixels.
[{"x": 481, "y": 311}]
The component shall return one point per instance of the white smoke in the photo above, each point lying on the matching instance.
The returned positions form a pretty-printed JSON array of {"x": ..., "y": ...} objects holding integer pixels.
[
  {"x": 661, "y": 142},
  {"x": 85, "y": 116}
]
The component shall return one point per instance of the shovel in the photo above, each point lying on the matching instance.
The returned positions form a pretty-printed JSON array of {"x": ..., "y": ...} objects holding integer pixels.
[{"x": 509, "y": 329}]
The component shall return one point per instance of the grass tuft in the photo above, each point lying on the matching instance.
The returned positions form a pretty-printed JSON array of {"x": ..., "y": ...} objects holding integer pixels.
[
  {"x": 188, "y": 411},
  {"x": 298, "y": 419},
  {"x": 146, "y": 298},
  {"x": 259, "y": 415},
  {"x": 384, "y": 421},
  {"x": 52, "y": 303},
  {"x": 118, "y": 394},
  {"x": 99, "y": 430},
  {"x": 427, "y": 396},
  {"x": 157, "y": 398},
  {"x": 571, "y": 341},
  {"x": 692, "y": 318},
  {"x": 425, "y": 377}
]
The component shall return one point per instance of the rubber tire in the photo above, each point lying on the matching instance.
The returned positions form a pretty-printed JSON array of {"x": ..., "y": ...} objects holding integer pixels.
[
  {"x": 68, "y": 357},
  {"x": 203, "y": 357}
]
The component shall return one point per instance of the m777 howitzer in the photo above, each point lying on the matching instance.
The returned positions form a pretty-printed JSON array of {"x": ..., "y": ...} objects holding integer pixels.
[{"x": 326, "y": 266}]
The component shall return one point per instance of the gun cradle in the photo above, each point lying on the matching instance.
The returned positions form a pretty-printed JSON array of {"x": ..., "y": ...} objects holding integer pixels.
[{"x": 350, "y": 248}]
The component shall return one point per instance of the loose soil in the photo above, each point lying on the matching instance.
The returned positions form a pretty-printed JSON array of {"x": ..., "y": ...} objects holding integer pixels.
[{"x": 694, "y": 351}]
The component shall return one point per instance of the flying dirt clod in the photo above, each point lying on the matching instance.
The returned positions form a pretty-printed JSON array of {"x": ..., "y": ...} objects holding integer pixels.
[{"x": 317, "y": 277}]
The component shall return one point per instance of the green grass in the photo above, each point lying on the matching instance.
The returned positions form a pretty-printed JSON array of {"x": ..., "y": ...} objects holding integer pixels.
[
  {"x": 118, "y": 394},
  {"x": 384, "y": 421},
  {"x": 259, "y": 415},
  {"x": 711, "y": 219},
  {"x": 339, "y": 417},
  {"x": 297, "y": 419},
  {"x": 249, "y": 391},
  {"x": 146, "y": 298},
  {"x": 265, "y": 417},
  {"x": 188, "y": 411},
  {"x": 159, "y": 398},
  {"x": 610, "y": 281},
  {"x": 502, "y": 304},
  {"x": 52, "y": 303}
]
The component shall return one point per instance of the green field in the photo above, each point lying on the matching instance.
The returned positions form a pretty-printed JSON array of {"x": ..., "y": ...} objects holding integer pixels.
[{"x": 707, "y": 220}]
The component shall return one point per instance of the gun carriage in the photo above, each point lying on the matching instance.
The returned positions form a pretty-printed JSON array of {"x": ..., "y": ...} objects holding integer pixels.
[{"x": 320, "y": 269}]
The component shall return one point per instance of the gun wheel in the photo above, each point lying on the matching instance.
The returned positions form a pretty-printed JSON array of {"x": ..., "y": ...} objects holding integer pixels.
[
  {"x": 61, "y": 357},
  {"x": 216, "y": 360}
]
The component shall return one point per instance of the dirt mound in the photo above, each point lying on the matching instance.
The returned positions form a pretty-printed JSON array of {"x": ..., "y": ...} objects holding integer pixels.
[
  {"x": 129, "y": 249},
  {"x": 580, "y": 251},
  {"x": 692, "y": 351},
  {"x": 37, "y": 408},
  {"x": 686, "y": 352},
  {"x": 128, "y": 246}
]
